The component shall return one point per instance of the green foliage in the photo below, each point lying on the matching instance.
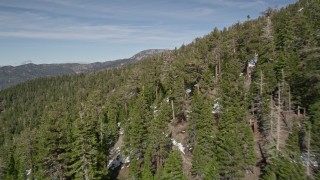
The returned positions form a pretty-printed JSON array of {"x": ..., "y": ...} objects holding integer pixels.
[
  {"x": 65, "y": 127},
  {"x": 283, "y": 168},
  {"x": 204, "y": 149},
  {"x": 137, "y": 128},
  {"x": 146, "y": 173},
  {"x": 84, "y": 151},
  {"x": 173, "y": 167},
  {"x": 211, "y": 170},
  {"x": 159, "y": 142}
]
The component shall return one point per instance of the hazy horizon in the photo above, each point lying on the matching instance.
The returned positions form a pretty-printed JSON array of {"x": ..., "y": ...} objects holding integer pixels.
[{"x": 57, "y": 31}]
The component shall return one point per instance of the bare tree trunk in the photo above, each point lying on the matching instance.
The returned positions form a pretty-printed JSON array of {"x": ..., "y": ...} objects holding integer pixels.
[
  {"x": 126, "y": 109},
  {"x": 308, "y": 152},
  {"x": 216, "y": 73},
  {"x": 289, "y": 99},
  {"x": 271, "y": 117},
  {"x": 219, "y": 67},
  {"x": 198, "y": 88},
  {"x": 84, "y": 164},
  {"x": 278, "y": 119},
  {"x": 157, "y": 92},
  {"x": 261, "y": 83},
  {"x": 268, "y": 29},
  {"x": 143, "y": 92},
  {"x": 86, "y": 174},
  {"x": 283, "y": 84},
  {"x": 101, "y": 129},
  {"x": 283, "y": 77},
  {"x": 173, "y": 115},
  {"x": 252, "y": 108}
]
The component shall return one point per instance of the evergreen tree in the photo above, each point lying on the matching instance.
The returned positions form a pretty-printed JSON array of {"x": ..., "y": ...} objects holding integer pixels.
[
  {"x": 136, "y": 143},
  {"x": 158, "y": 139},
  {"x": 194, "y": 118},
  {"x": 64, "y": 127},
  {"x": 212, "y": 170},
  {"x": 282, "y": 168},
  {"x": 25, "y": 154},
  {"x": 85, "y": 146},
  {"x": 173, "y": 167},
  {"x": 204, "y": 151},
  {"x": 53, "y": 143},
  {"x": 147, "y": 166}
]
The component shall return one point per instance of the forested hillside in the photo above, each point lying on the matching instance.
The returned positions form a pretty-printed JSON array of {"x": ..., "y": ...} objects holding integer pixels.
[
  {"x": 13, "y": 75},
  {"x": 238, "y": 103}
]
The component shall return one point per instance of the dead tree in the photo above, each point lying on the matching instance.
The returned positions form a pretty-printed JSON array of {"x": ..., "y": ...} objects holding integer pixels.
[
  {"x": 216, "y": 73},
  {"x": 289, "y": 98},
  {"x": 271, "y": 117},
  {"x": 308, "y": 151},
  {"x": 218, "y": 64},
  {"x": 278, "y": 119},
  {"x": 173, "y": 115},
  {"x": 283, "y": 77},
  {"x": 261, "y": 84}
]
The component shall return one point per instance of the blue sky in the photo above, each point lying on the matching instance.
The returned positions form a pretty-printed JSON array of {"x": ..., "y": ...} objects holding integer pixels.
[{"x": 56, "y": 31}]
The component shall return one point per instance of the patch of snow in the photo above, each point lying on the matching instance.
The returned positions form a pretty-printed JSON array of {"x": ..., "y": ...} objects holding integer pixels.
[
  {"x": 28, "y": 172},
  {"x": 300, "y": 9},
  {"x": 179, "y": 145},
  {"x": 154, "y": 107},
  {"x": 188, "y": 91},
  {"x": 121, "y": 132},
  {"x": 216, "y": 108},
  {"x": 112, "y": 164},
  {"x": 126, "y": 159},
  {"x": 253, "y": 61},
  {"x": 166, "y": 135},
  {"x": 313, "y": 161}
]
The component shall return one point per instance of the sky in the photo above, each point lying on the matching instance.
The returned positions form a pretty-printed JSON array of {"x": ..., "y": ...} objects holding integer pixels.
[{"x": 84, "y": 31}]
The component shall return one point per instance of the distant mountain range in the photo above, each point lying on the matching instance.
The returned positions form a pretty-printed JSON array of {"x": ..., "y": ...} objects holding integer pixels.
[{"x": 13, "y": 75}]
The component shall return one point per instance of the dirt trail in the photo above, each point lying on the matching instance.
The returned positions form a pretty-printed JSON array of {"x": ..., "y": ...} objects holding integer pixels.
[
  {"x": 256, "y": 172},
  {"x": 178, "y": 129},
  {"x": 280, "y": 126},
  {"x": 253, "y": 123},
  {"x": 285, "y": 120}
]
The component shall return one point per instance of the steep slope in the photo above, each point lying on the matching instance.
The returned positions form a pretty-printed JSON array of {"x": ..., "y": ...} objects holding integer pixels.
[
  {"x": 12, "y": 75},
  {"x": 241, "y": 103}
]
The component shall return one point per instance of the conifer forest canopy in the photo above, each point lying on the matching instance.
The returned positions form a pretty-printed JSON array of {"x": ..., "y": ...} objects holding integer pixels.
[{"x": 237, "y": 103}]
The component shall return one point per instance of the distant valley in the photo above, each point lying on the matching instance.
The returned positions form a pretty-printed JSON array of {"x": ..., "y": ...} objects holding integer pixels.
[{"x": 13, "y": 75}]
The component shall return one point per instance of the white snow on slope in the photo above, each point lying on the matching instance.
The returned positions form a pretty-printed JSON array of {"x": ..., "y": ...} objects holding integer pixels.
[{"x": 179, "y": 145}]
